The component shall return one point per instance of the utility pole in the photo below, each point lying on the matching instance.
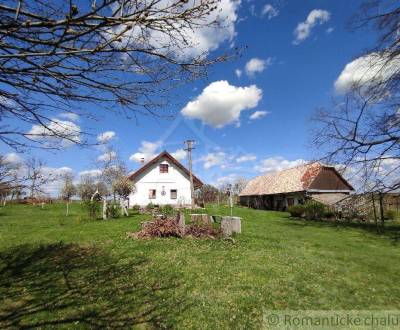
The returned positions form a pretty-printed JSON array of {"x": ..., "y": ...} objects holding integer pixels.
[{"x": 189, "y": 148}]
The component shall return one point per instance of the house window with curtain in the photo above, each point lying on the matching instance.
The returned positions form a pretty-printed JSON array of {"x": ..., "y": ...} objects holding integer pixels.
[
  {"x": 163, "y": 168},
  {"x": 174, "y": 194},
  {"x": 152, "y": 193}
]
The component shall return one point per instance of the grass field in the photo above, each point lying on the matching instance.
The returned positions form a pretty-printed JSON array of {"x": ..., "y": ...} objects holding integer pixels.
[{"x": 58, "y": 271}]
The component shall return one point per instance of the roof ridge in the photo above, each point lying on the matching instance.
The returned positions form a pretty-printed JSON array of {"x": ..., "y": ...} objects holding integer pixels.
[{"x": 290, "y": 168}]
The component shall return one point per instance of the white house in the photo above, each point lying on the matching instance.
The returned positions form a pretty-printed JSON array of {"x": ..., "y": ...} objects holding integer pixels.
[{"x": 163, "y": 180}]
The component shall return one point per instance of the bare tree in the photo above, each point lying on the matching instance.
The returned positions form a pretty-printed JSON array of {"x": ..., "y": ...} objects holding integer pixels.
[
  {"x": 10, "y": 180},
  {"x": 361, "y": 132},
  {"x": 112, "y": 168},
  {"x": 37, "y": 177},
  {"x": 123, "y": 187},
  {"x": 125, "y": 55},
  {"x": 207, "y": 194},
  {"x": 68, "y": 190},
  {"x": 86, "y": 187},
  {"x": 239, "y": 184}
]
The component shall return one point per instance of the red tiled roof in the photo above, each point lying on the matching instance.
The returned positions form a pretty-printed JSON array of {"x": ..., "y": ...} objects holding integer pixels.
[{"x": 294, "y": 179}]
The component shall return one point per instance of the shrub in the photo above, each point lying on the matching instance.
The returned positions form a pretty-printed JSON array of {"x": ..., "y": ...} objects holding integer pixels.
[
  {"x": 391, "y": 214},
  {"x": 136, "y": 208},
  {"x": 167, "y": 210},
  {"x": 150, "y": 206},
  {"x": 92, "y": 207},
  {"x": 296, "y": 210},
  {"x": 314, "y": 210},
  {"x": 329, "y": 214},
  {"x": 113, "y": 210}
]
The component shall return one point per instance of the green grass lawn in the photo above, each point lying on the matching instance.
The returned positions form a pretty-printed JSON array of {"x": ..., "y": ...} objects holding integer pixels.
[{"x": 58, "y": 271}]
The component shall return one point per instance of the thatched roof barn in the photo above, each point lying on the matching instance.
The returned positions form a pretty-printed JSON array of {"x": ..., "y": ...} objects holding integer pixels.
[{"x": 293, "y": 186}]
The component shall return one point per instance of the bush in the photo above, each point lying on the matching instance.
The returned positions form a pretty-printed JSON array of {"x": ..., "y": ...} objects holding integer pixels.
[
  {"x": 167, "y": 210},
  {"x": 314, "y": 210},
  {"x": 93, "y": 208},
  {"x": 296, "y": 210},
  {"x": 136, "y": 208},
  {"x": 113, "y": 210},
  {"x": 391, "y": 214},
  {"x": 150, "y": 206},
  {"x": 329, "y": 214}
]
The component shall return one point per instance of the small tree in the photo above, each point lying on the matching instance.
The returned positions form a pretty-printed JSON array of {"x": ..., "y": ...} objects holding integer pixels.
[
  {"x": 11, "y": 182},
  {"x": 68, "y": 190},
  {"x": 207, "y": 194},
  {"x": 86, "y": 188},
  {"x": 123, "y": 187},
  {"x": 37, "y": 177}
]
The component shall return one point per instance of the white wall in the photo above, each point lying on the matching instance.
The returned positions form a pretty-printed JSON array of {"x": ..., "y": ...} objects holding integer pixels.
[{"x": 153, "y": 179}]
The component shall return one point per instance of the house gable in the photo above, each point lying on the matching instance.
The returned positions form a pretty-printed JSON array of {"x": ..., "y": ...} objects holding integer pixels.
[
  {"x": 329, "y": 179},
  {"x": 167, "y": 158}
]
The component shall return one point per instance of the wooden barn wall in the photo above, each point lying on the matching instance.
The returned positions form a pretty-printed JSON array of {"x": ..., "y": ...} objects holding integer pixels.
[{"x": 328, "y": 179}]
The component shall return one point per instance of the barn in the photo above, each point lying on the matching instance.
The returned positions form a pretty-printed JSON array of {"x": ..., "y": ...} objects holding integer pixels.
[{"x": 293, "y": 186}]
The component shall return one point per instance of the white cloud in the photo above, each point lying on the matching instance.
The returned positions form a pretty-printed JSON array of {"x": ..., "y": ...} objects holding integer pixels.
[
  {"x": 228, "y": 179},
  {"x": 213, "y": 159},
  {"x": 92, "y": 173},
  {"x": 221, "y": 103},
  {"x": 147, "y": 151},
  {"x": 257, "y": 65},
  {"x": 13, "y": 158},
  {"x": 238, "y": 73},
  {"x": 188, "y": 42},
  {"x": 258, "y": 114},
  {"x": 54, "y": 186},
  {"x": 246, "y": 158},
  {"x": 57, "y": 172},
  {"x": 278, "y": 163},
  {"x": 179, "y": 154},
  {"x": 270, "y": 11},
  {"x": 57, "y": 133},
  {"x": 330, "y": 30},
  {"x": 107, "y": 156},
  {"x": 70, "y": 116},
  {"x": 303, "y": 29},
  {"x": 367, "y": 71},
  {"x": 106, "y": 136}
]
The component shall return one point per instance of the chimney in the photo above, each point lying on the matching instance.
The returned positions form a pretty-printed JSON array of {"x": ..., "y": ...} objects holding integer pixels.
[{"x": 142, "y": 160}]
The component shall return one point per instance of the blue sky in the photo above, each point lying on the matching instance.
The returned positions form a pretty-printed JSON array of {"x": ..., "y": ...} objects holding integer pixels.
[{"x": 287, "y": 79}]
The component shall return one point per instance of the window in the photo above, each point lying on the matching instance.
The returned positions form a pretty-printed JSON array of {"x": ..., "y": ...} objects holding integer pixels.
[
  {"x": 152, "y": 193},
  {"x": 163, "y": 168},
  {"x": 174, "y": 194}
]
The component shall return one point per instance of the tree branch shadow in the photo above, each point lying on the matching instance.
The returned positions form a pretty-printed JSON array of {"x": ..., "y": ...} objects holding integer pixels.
[{"x": 64, "y": 285}]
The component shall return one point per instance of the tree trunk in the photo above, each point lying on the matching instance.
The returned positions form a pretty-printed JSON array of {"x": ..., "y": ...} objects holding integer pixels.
[
  {"x": 181, "y": 222},
  {"x": 202, "y": 218},
  {"x": 375, "y": 216},
  {"x": 104, "y": 209},
  {"x": 124, "y": 210},
  {"x": 381, "y": 209},
  {"x": 67, "y": 213},
  {"x": 230, "y": 225}
]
